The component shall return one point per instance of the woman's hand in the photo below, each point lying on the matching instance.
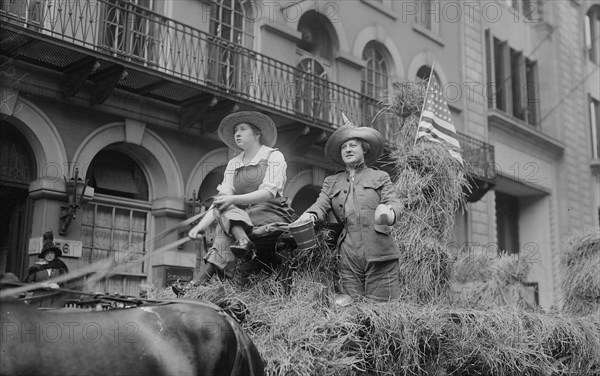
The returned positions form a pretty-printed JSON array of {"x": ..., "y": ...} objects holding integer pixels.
[
  {"x": 222, "y": 202},
  {"x": 305, "y": 217},
  {"x": 193, "y": 234}
]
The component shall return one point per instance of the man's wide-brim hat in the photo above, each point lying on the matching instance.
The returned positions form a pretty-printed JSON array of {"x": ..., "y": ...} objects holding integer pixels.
[
  {"x": 261, "y": 121},
  {"x": 48, "y": 245},
  {"x": 350, "y": 131}
]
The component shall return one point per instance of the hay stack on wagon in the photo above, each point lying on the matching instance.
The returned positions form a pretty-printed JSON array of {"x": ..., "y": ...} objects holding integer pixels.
[
  {"x": 489, "y": 281},
  {"x": 305, "y": 334},
  {"x": 430, "y": 330},
  {"x": 581, "y": 282},
  {"x": 430, "y": 182}
]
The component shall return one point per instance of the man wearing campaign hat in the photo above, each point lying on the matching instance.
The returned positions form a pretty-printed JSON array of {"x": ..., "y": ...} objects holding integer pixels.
[{"x": 363, "y": 200}]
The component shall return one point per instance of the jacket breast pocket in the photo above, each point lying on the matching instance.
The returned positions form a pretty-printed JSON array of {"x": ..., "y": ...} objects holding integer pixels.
[
  {"x": 372, "y": 195},
  {"x": 335, "y": 192},
  {"x": 336, "y": 198}
]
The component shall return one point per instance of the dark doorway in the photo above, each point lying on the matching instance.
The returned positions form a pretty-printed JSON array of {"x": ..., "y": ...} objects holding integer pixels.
[
  {"x": 17, "y": 170},
  {"x": 305, "y": 197}
]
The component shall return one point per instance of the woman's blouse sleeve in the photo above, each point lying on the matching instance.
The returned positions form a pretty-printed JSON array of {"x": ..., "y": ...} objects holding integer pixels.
[
  {"x": 275, "y": 176},
  {"x": 226, "y": 187}
]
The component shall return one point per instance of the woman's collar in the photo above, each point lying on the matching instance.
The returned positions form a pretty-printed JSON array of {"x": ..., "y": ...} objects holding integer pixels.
[
  {"x": 358, "y": 168},
  {"x": 262, "y": 152}
]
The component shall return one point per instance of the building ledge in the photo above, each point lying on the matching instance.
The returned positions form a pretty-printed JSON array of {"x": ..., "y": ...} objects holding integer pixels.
[
  {"x": 381, "y": 8},
  {"x": 283, "y": 31},
  {"x": 503, "y": 122},
  {"x": 349, "y": 59},
  {"x": 429, "y": 34}
]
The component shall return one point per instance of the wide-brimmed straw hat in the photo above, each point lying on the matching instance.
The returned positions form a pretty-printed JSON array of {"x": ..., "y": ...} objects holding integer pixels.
[
  {"x": 349, "y": 131},
  {"x": 48, "y": 245},
  {"x": 261, "y": 121}
]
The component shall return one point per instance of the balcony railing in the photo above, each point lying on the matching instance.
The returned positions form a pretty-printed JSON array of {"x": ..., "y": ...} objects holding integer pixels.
[
  {"x": 478, "y": 156},
  {"x": 139, "y": 36}
]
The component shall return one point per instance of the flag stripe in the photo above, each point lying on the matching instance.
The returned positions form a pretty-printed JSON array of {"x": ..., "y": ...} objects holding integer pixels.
[
  {"x": 449, "y": 127},
  {"x": 456, "y": 156},
  {"x": 427, "y": 126},
  {"x": 435, "y": 123}
]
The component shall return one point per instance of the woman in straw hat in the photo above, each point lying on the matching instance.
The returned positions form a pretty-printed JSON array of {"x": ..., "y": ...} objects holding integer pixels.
[
  {"x": 250, "y": 195},
  {"x": 363, "y": 200},
  {"x": 48, "y": 267}
]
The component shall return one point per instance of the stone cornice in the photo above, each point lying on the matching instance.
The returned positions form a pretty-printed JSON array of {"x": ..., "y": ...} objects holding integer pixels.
[
  {"x": 504, "y": 123},
  {"x": 283, "y": 31}
]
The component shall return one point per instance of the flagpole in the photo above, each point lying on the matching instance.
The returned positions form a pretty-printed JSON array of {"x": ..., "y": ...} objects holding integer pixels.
[{"x": 424, "y": 101}]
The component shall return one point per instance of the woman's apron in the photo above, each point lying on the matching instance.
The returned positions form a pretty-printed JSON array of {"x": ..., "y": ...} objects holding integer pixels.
[
  {"x": 246, "y": 179},
  {"x": 276, "y": 210}
]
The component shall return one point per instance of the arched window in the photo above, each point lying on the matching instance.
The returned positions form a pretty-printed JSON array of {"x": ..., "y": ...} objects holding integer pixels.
[
  {"x": 318, "y": 35},
  {"x": 16, "y": 157},
  {"x": 127, "y": 29},
  {"x": 375, "y": 78},
  {"x": 592, "y": 33},
  {"x": 424, "y": 72},
  {"x": 230, "y": 20},
  {"x": 312, "y": 97},
  {"x": 114, "y": 225},
  {"x": 315, "y": 53},
  {"x": 374, "y": 86}
]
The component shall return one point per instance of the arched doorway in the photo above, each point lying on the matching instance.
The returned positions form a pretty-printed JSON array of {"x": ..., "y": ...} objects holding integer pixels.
[
  {"x": 305, "y": 197},
  {"x": 17, "y": 170},
  {"x": 206, "y": 192},
  {"x": 115, "y": 224},
  {"x": 208, "y": 188}
]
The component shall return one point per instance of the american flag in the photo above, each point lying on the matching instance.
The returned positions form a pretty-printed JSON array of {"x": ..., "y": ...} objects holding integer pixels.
[{"x": 436, "y": 122}]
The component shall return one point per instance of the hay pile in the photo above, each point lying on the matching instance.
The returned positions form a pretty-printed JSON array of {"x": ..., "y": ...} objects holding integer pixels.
[
  {"x": 490, "y": 281},
  {"x": 581, "y": 282},
  {"x": 429, "y": 330},
  {"x": 430, "y": 182},
  {"x": 305, "y": 334}
]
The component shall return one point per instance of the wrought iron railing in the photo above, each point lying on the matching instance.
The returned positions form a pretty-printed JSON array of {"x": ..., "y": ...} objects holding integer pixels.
[
  {"x": 478, "y": 157},
  {"x": 135, "y": 34}
]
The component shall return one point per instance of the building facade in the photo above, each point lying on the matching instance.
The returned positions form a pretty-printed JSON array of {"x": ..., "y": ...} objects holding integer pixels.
[
  {"x": 539, "y": 111},
  {"x": 128, "y": 95}
]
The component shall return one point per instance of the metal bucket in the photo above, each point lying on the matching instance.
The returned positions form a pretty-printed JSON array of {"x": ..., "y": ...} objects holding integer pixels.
[{"x": 304, "y": 234}]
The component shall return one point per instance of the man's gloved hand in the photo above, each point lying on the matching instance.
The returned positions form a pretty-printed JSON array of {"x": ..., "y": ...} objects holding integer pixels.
[{"x": 384, "y": 215}]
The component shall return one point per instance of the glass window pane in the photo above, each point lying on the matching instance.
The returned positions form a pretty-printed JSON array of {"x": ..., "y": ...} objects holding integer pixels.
[
  {"x": 226, "y": 33},
  {"x": 238, "y": 21},
  {"x": 103, "y": 216},
  {"x": 102, "y": 238},
  {"x": 122, "y": 218},
  {"x": 87, "y": 236},
  {"x": 87, "y": 216},
  {"x": 226, "y": 20},
  {"x": 138, "y": 222},
  {"x": 120, "y": 239}
]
